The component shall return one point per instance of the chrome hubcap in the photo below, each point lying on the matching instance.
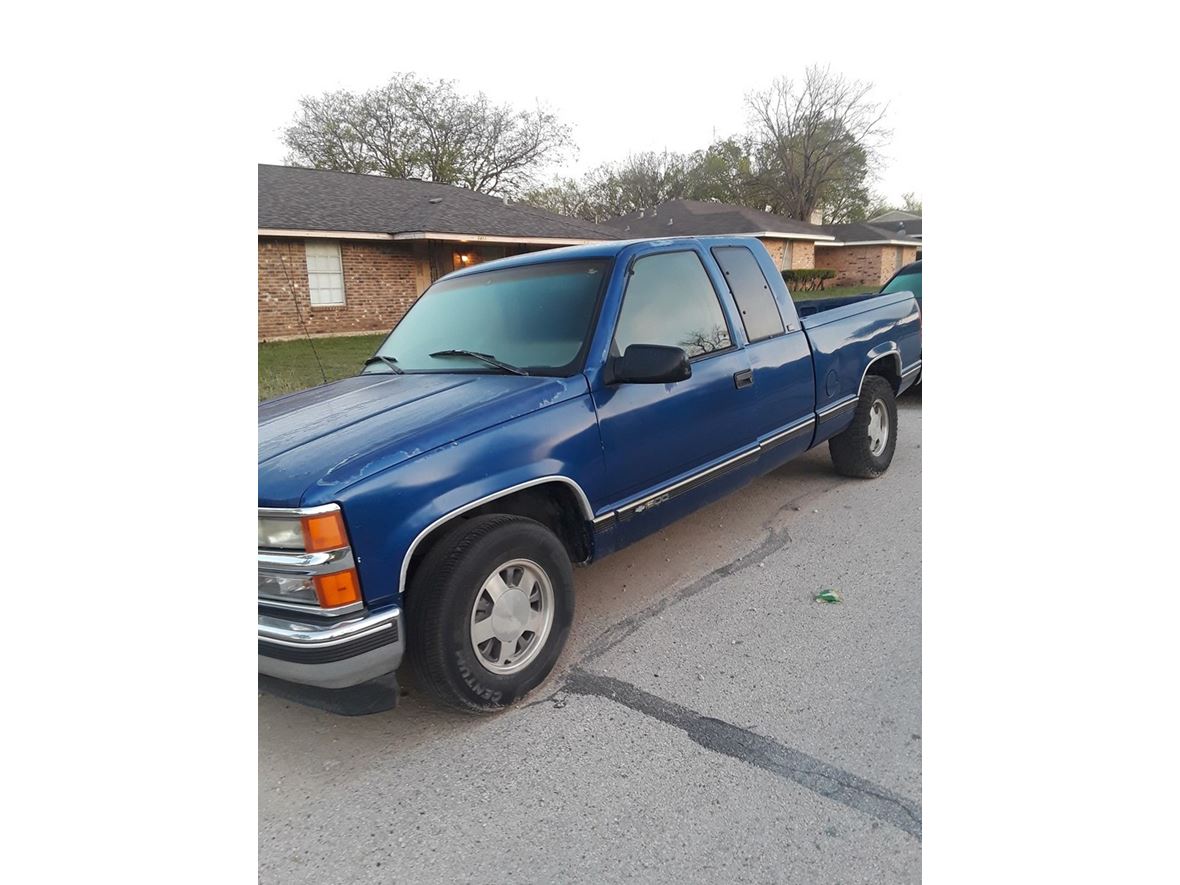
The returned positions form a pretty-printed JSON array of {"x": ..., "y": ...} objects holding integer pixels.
[
  {"x": 878, "y": 427},
  {"x": 512, "y": 616}
]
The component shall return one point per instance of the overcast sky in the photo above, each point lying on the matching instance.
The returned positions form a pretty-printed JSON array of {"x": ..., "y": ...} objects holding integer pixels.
[{"x": 646, "y": 80}]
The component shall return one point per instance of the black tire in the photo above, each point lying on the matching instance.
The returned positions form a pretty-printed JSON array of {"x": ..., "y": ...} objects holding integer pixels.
[
  {"x": 851, "y": 449},
  {"x": 441, "y": 599}
]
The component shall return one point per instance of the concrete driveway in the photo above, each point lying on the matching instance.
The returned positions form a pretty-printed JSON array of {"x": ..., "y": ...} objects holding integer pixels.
[{"x": 708, "y": 720}]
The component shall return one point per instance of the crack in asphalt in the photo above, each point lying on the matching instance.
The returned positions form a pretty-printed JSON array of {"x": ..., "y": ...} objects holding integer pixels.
[
  {"x": 762, "y": 752},
  {"x": 775, "y": 538},
  {"x": 724, "y": 737},
  {"x": 620, "y": 630}
]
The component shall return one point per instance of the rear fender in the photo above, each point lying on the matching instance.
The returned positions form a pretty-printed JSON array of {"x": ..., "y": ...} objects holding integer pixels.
[{"x": 883, "y": 360}]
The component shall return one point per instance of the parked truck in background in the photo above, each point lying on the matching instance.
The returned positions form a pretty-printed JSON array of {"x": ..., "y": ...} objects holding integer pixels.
[{"x": 531, "y": 414}]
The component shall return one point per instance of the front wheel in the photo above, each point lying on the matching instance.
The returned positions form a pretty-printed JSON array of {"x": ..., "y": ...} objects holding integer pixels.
[
  {"x": 865, "y": 448},
  {"x": 489, "y": 611}
]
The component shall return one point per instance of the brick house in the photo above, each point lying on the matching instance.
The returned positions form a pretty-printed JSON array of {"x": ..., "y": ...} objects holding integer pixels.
[
  {"x": 790, "y": 243},
  {"x": 340, "y": 253},
  {"x": 861, "y": 254},
  {"x": 865, "y": 254}
]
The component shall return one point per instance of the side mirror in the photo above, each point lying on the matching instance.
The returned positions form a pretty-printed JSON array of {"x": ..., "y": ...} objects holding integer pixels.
[{"x": 649, "y": 364}]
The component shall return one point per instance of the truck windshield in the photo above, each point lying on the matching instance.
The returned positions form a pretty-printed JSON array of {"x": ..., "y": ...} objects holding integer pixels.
[{"x": 535, "y": 317}]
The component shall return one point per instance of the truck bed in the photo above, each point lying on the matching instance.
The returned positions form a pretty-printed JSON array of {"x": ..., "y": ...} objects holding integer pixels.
[
  {"x": 847, "y": 336},
  {"x": 812, "y": 306}
]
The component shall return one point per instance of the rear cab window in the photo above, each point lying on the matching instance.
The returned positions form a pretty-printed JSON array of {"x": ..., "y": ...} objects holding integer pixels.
[{"x": 751, "y": 291}]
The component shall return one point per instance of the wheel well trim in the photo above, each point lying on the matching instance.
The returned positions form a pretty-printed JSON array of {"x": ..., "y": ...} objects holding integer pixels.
[
  {"x": 579, "y": 493},
  {"x": 893, "y": 351}
]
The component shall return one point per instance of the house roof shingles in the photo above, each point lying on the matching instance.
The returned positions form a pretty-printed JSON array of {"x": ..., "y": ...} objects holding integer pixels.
[
  {"x": 910, "y": 227},
  {"x": 696, "y": 217},
  {"x": 293, "y": 198},
  {"x": 860, "y": 232},
  {"x": 894, "y": 215}
]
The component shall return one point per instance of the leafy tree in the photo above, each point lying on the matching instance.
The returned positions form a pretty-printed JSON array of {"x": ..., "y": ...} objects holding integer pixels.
[
  {"x": 723, "y": 172},
  {"x": 847, "y": 196},
  {"x": 414, "y": 128},
  {"x": 815, "y": 142}
]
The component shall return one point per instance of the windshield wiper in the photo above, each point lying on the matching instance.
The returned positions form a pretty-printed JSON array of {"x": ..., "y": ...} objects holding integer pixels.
[
  {"x": 485, "y": 357},
  {"x": 388, "y": 360}
]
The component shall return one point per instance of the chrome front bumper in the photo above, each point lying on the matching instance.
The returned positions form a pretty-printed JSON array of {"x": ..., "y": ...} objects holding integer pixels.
[{"x": 330, "y": 653}]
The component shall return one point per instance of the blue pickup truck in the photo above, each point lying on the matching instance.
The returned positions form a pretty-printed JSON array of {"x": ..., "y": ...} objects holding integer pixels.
[{"x": 528, "y": 415}]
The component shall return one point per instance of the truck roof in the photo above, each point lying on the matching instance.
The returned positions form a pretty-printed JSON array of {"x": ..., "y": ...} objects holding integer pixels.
[{"x": 605, "y": 249}]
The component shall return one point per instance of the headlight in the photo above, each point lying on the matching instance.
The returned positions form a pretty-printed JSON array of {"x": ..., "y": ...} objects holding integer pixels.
[
  {"x": 283, "y": 533},
  {"x": 286, "y": 574},
  {"x": 320, "y": 531},
  {"x": 328, "y": 591},
  {"x": 288, "y": 588}
]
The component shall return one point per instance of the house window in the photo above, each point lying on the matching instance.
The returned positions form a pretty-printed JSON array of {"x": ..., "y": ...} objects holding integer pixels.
[
  {"x": 469, "y": 256},
  {"x": 325, "y": 273},
  {"x": 788, "y": 256},
  {"x": 465, "y": 258}
]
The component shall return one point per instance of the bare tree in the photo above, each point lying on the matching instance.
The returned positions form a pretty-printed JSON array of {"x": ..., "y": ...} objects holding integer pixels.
[
  {"x": 911, "y": 203},
  {"x": 700, "y": 341},
  {"x": 613, "y": 189},
  {"x": 878, "y": 205},
  {"x": 647, "y": 179},
  {"x": 565, "y": 196},
  {"x": 426, "y": 129},
  {"x": 814, "y": 138}
]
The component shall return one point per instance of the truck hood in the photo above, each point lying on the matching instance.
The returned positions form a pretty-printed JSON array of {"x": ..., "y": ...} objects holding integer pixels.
[{"x": 314, "y": 443}]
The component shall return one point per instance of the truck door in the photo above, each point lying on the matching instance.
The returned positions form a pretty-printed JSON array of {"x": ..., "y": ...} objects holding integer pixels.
[{"x": 656, "y": 434}]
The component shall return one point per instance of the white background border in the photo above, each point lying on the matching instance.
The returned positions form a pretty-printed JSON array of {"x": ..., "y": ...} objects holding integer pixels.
[{"x": 1050, "y": 596}]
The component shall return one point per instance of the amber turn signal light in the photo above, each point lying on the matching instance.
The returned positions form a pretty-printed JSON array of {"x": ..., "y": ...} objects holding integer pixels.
[
  {"x": 324, "y": 531},
  {"x": 339, "y": 588}
]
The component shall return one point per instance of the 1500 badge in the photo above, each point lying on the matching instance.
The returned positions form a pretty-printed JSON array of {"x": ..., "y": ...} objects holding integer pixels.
[{"x": 654, "y": 502}]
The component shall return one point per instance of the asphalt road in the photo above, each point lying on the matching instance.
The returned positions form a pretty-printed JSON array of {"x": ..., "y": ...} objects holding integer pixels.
[{"x": 708, "y": 720}]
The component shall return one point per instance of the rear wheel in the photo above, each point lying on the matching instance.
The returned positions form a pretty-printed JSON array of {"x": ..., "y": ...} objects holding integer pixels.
[
  {"x": 865, "y": 448},
  {"x": 489, "y": 612}
]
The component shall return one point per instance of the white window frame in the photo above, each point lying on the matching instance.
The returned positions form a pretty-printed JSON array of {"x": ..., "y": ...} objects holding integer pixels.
[{"x": 325, "y": 273}]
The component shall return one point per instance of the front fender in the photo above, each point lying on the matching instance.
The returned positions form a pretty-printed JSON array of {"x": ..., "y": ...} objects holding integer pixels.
[{"x": 389, "y": 514}]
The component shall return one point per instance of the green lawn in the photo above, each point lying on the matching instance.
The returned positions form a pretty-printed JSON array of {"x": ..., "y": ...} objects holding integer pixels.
[
  {"x": 287, "y": 366},
  {"x": 833, "y": 292}
]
